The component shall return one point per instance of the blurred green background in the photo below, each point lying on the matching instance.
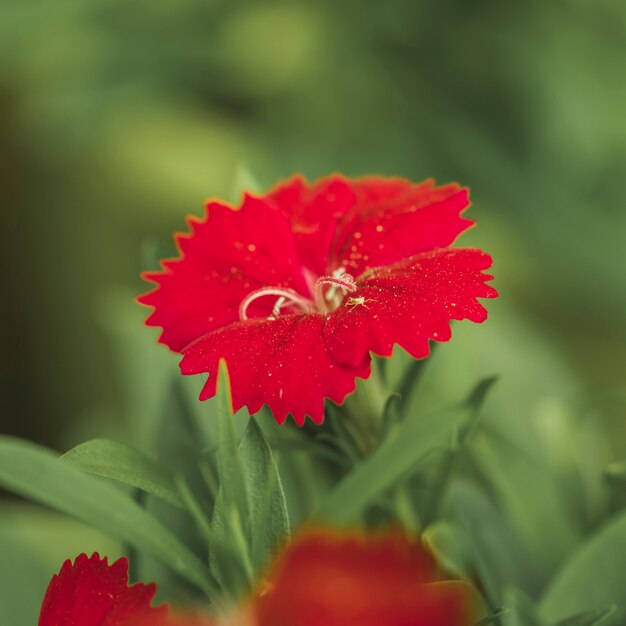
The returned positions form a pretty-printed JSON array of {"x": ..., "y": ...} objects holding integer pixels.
[{"x": 117, "y": 119}]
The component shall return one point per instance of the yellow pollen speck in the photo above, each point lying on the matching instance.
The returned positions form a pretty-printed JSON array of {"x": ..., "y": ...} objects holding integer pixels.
[
  {"x": 251, "y": 247},
  {"x": 379, "y": 229}
]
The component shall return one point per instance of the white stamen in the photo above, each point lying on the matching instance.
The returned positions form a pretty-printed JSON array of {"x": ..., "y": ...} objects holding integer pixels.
[
  {"x": 340, "y": 280},
  {"x": 288, "y": 296},
  {"x": 276, "y": 309}
]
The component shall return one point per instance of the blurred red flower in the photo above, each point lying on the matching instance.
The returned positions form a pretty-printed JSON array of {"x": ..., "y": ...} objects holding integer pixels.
[
  {"x": 296, "y": 288},
  {"x": 322, "y": 578},
  {"x": 90, "y": 592},
  {"x": 326, "y": 578}
]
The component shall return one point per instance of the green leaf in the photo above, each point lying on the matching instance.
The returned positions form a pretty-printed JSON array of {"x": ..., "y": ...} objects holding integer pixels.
[
  {"x": 229, "y": 558},
  {"x": 447, "y": 466},
  {"x": 408, "y": 384},
  {"x": 24, "y": 576},
  {"x": 194, "y": 507},
  {"x": 445, "y": 541},
  {"x": 522, "y": 610},
  {"x": 229, "y": 550},
  {"x": 593, "y": 576},
  {"x": 269, "y": 520},
  {"x": 229, "y": 463},
  {"x": 617, "y": 470},
  {"x": 37, "y": 473},
  {"x": 595, "y": 617},
  {"x": 237, "y": 555},
  {"x": 402, "y": 373},
  {"x": 178, "y": 442},
  {"x": 615, "y": 473},
  {"x": 479, "y": 393},
  {"x": 530, "y": 498},
  {"x": 397, "y": 455},
  {"x": 125, "y": 464},
  {"x": 495, "y": 617},
  {"x": 392, "y": 414},
  {"x": 489, "y": 546}
]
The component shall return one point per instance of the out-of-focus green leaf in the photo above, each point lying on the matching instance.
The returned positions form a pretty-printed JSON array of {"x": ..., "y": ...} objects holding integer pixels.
[
  {"x": 23, "y": 579},
  {"x": 522, "y": 610},
  {"x": 617, "y": 472},
  {"x": 37, "y": 473},
  {"x": 391, "y": 411},
  {"x": 125, "y": 464},
  {"x": 479, "y": 393},
  {"x": 269, "y": 520},
  {"x": 195, "y": 509},
  {"x": 493, "y": 618},
  {"x": 529, "y": 497},
  {"x": 595, "y": 617},
  {"x": 493, "y": 551},
  {"x": 398, "y": 454},
  {"x": 594, "y": 576},
  {"x": 445, "y": 540},
  {"x": 401, "y": 372},
  {"x": 410, "y": 378},
  {"x": 443, "y": 468}
]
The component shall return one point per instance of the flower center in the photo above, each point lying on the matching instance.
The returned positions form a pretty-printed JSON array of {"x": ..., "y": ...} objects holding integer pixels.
[{"x": 328, "y": 294}]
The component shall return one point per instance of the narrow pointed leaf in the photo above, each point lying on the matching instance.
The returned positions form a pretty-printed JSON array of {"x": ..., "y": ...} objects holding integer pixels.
[
  {"x": 229, "y": 557},
  {"x": 398, "y": 454},
  {"x": 593, "y": 576},
  {"x": 269, "y": 519},
  {"x": 38, "y": 474},
  {"x": 445, "y": 540},
  {"x": 495, "y": 617},
  {"x": 595, "y": 617},
  {"x": 522, "y": 610},
  {"x": 125, "y": 464},
  {"x": 229, "y": 463}
]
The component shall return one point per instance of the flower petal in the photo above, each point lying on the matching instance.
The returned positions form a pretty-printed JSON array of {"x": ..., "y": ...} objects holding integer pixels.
[
  {"x": 226, "y": 256},
  {"x": 369, "y": 222},
  {"x": 314, "y": 212},
  {"x": 409, "y": 304},
  {"x": 283, "y": 362},
  {"x": 393, "y": 219},
  {"x": 90, "y": 592},
  {"x": 330, "y": 579}
]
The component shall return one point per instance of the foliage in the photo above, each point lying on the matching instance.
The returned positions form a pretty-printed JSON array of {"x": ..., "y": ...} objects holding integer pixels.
[{"x": 114, "y": 117}]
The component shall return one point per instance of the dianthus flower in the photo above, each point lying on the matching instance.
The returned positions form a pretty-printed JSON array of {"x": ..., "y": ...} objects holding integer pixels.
[
  {"x": 322, "y": 578},
  {"x": 296, "y": 288},
  {"x": 328, "y": 578},
  {"x": 90, "y": 592}
]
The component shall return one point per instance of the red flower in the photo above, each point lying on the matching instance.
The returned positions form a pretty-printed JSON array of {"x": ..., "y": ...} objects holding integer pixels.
[
  {"x": 90, "y": 592},
  {"x": 322, "y": 578},
  {"x": 296, "y": 288},
  {"x": 326, "y": 578}
]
